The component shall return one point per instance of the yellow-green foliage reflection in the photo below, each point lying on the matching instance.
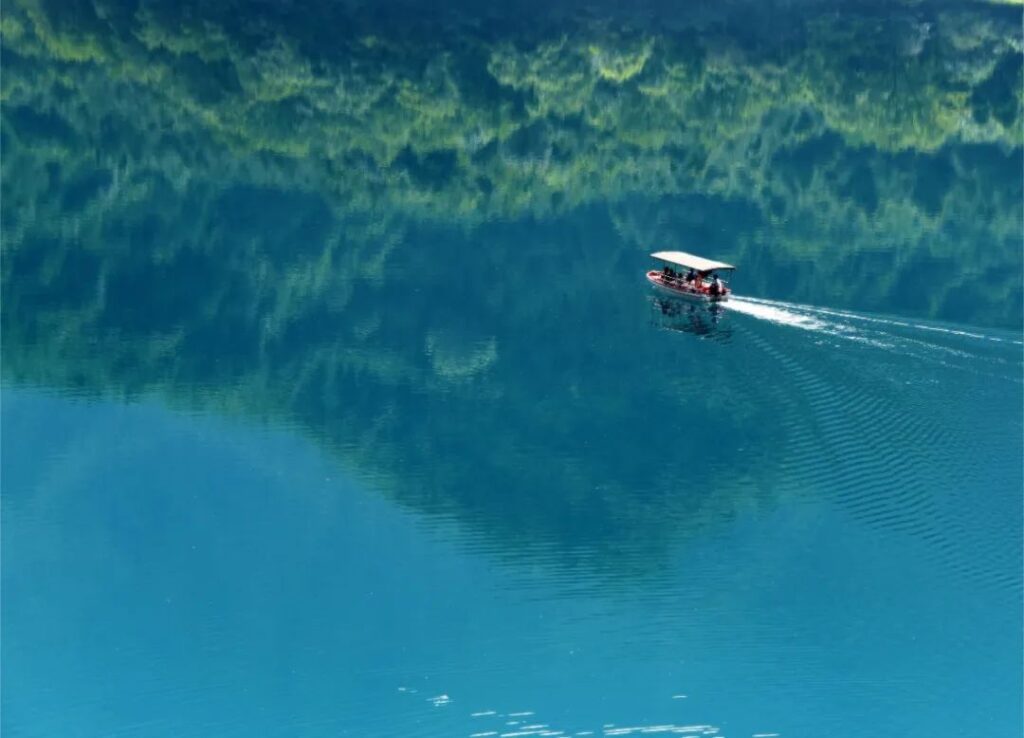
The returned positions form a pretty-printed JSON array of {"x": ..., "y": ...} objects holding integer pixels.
[
  {"x": 499, "y": 126},
  {"x": 137, "y": 137}
]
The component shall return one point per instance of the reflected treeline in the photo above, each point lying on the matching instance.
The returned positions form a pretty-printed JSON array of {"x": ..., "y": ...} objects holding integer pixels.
[
  {"x": 843, "y": 136},
  {"x": 447, "y": 388},
  {"x": 364, "y": 222},
  {"x": 536, "y": 409}
]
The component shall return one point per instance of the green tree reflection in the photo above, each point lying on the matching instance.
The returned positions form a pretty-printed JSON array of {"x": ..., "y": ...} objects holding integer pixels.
[{"x": 211, "y": 206}]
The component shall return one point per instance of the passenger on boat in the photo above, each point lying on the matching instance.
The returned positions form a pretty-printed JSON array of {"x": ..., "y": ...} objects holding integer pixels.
[{"x": 691, "y": 276}]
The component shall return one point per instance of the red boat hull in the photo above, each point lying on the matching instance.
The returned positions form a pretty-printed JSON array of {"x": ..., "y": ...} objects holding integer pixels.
[{"x": 677, "y": 288}]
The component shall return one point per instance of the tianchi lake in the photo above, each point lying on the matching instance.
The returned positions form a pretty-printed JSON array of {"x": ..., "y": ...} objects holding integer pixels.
[{"x": 335, "y": 401}]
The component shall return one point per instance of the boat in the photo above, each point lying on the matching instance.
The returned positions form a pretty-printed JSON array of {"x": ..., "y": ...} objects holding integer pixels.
[{"x": 700, "y": 282}]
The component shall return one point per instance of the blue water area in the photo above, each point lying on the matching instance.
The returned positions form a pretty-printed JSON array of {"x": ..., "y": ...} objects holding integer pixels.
[
  {"x": 335, "y": 400},
  {"x": 180, "y": 573}
]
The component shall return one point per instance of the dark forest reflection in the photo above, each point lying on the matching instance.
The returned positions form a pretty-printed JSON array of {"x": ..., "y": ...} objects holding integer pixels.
[
  {"x": 868, "y": 159},
  {"x": 365, "y": 223}
]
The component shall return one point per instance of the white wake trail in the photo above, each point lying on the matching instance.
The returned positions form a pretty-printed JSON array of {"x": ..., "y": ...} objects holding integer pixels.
[
  {"x": 804, "y": 316},
  {"x": 969, "y": 348}
]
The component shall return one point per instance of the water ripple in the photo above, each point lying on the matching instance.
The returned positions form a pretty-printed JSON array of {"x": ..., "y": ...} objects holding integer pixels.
[{"x": 895, "y": 432}]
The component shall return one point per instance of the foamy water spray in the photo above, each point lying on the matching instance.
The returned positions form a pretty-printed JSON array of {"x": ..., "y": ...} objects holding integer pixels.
[{"x": 969, "y": 348}]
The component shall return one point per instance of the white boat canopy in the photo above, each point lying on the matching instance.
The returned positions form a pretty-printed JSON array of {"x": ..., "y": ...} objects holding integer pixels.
[{"x": 697, "y": 263}]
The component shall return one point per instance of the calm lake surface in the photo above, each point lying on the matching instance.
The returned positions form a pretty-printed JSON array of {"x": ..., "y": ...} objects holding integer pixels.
[{"x": 335, "y": 401}]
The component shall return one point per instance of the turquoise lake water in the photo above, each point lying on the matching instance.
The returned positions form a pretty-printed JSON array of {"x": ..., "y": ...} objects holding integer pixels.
[{"x": 335, "y": 401}]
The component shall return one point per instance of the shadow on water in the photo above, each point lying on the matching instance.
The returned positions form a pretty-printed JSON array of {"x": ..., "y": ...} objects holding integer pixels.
[{"x": 687, "y": 316}]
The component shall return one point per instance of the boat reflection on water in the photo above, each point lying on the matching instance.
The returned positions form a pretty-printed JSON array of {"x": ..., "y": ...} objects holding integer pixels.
[{"x": 686, "y": 316}]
